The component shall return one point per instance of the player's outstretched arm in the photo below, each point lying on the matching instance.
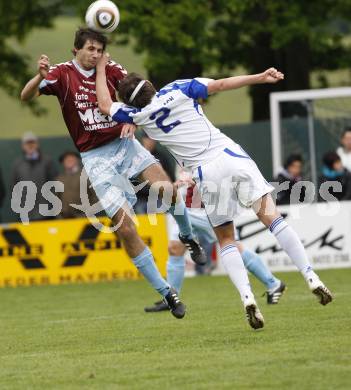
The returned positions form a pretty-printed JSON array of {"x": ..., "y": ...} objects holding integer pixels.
[
  {"x": 102, "y": 92},
  {"x": 31, "y": 89},
  {"x": 104, "y": 98},
  {"x": 270, "y": 76}
]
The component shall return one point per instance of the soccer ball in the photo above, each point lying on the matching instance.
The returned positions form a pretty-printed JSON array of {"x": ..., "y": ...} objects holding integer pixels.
[{"x": 102, "y": 16}]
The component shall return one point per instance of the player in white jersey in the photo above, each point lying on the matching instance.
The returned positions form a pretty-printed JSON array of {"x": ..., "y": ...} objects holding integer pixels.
[{"x": 227, "y": 178}]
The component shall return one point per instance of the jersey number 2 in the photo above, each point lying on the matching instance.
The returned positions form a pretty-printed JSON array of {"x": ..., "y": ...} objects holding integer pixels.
[{"x": 161, "y": 115}]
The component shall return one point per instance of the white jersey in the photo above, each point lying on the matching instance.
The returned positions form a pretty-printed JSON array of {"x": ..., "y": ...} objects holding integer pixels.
[
  {"x": 345, "y": 157},
  {"x": 176, "y": 120}
]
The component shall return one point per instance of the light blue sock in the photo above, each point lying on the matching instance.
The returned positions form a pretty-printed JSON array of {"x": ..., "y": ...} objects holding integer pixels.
[
  {"x": 146, "y": 265},
  {"x": 180, "y": 214},
  {"x": 256, "y": 266},
  {"x": 175, "y": 271}
]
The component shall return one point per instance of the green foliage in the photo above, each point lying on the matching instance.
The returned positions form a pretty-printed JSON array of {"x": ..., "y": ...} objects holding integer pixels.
[
  {"x": 175, "y": 36},
  {"x": 17, "y": 18},
  {"x": 282, "y": 23},
  {"x": 187, "y": 38}
]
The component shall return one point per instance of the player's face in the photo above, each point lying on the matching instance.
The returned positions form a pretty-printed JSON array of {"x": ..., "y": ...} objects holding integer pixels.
[
  {"x": 295, "y": 168},
  {"x": 88, "y": 56},
  {"x": 70, "y": 163},
  {"x": 30, "y": 147}
]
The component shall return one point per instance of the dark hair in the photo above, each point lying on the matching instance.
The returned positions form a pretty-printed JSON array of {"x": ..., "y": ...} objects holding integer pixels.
[
  {"x": 128, "y": 85},
  {"x": 69, "y": 153},
  {"x": 330, "y": 158},
  {"x": 346, "y": 130},
  {"x": 291, "y": 159},
  {"x": 85, "y": 34}
]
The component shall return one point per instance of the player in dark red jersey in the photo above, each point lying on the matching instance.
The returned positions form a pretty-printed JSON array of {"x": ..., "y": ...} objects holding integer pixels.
[{"x": 110, "y": 160}]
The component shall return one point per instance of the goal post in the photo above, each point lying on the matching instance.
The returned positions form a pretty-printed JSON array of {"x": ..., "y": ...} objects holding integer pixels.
[{"x": 307, "y": 98}]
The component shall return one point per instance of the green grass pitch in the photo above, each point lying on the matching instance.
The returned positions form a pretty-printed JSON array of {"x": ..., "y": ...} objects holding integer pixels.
[{"x": 98, "y": 337}]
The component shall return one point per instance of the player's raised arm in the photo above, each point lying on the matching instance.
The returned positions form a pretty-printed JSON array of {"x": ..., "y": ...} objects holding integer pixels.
[
  {"x": 270, "y": 76},
  {"x": 31, "y": 89},
  {"x": 102, "y": 92}
]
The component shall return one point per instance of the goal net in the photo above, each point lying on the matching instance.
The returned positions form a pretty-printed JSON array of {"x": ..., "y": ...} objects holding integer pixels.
[{"x": 310, "y": 123}]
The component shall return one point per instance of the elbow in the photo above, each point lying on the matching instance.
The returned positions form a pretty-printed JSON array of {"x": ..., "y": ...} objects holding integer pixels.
[
  {"x": 104, "y": 108},
  {"x": 221, "y": 85},
  {"x": 23, "y": 97},
  {"x": 26, "y": 96}
]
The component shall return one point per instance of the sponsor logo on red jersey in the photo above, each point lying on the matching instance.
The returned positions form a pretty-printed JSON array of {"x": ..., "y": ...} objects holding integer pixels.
[{"x": 76, "y": 92}]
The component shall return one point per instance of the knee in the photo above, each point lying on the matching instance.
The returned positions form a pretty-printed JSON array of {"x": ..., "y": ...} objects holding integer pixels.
[
  {"x": 266, "y": 210},
  {"x": 225, "y": 233},
  {"x": 176, "y": 248}
]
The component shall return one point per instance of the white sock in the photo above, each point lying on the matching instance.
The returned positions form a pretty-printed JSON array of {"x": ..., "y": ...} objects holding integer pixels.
[
  {"x": 234, "y": 265},
  {"x": 291, "y": 244}
]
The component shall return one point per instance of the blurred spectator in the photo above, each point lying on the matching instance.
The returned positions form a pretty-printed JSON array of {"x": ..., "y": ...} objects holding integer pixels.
[
  {"x": 333, "y": 170},
  {"x": 344, "y": 151},
  {"x": 291, "y": 173},
  {"x": 2, "y": 192},
  {"x": 167, "y": 162},
  {"x": 36, "y": 167},
  {"x": 72, "y": 168}
]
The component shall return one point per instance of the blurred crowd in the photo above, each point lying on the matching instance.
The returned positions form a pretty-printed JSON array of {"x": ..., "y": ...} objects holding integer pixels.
[
  {"x": 35, "y": 166},
  {"x": 335, "y": 175}
]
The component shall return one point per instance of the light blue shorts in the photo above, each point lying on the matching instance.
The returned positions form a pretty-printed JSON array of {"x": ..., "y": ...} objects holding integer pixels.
[
  {"x": 199, "y": 222},
  {"x": 110, "y": 168},
  {"x": 201, "y": 227}
]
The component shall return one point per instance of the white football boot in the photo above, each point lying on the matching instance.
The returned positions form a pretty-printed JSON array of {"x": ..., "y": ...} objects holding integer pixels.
[
  {"x": 319, "y": 290},
  {"x": 253, "y": 314}
]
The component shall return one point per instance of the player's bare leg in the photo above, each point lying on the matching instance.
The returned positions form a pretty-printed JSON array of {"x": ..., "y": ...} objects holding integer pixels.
[
  {"x": 143, "y": 260},
  {"x": 127, "y": 233},
  {"x": 291, "y": 244},
  {"x": 236, "y": 270},
  {"x": 161, "y": 183}
]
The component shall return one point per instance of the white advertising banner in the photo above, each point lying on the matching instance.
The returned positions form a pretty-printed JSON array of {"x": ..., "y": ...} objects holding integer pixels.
[{"x": 324, "y": 229}]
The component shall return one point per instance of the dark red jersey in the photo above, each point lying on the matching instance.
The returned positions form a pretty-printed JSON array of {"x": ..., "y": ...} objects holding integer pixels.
[{"x": 76, "y": 92}]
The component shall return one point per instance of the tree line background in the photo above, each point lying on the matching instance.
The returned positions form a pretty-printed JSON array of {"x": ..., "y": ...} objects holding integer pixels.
[{"x": 188, "y": 38}]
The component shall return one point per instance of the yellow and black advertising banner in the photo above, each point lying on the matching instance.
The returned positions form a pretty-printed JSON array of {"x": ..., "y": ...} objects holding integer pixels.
[{"x": 73, "y": 251}]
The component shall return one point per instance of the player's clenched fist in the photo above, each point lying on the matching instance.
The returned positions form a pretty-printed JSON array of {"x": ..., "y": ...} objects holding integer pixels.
[
  {"x": 272, "y": 75},
  {"x": 103, "y": 61},
  {"x": 43, "y": 65}
]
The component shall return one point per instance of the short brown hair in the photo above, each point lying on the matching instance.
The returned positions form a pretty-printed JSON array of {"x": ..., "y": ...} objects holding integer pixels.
[
  {"x": 85, "y": 34},
  {"x": 128, "y": 85}
]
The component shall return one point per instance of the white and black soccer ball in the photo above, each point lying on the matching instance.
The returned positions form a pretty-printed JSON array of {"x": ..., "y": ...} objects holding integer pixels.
[{"x": 102, "y": 16}]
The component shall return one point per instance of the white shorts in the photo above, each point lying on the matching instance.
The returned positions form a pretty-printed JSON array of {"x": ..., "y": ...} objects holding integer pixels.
[
  {"x": 110, "y": 168},
  {"x": 229, "y": 183}
]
